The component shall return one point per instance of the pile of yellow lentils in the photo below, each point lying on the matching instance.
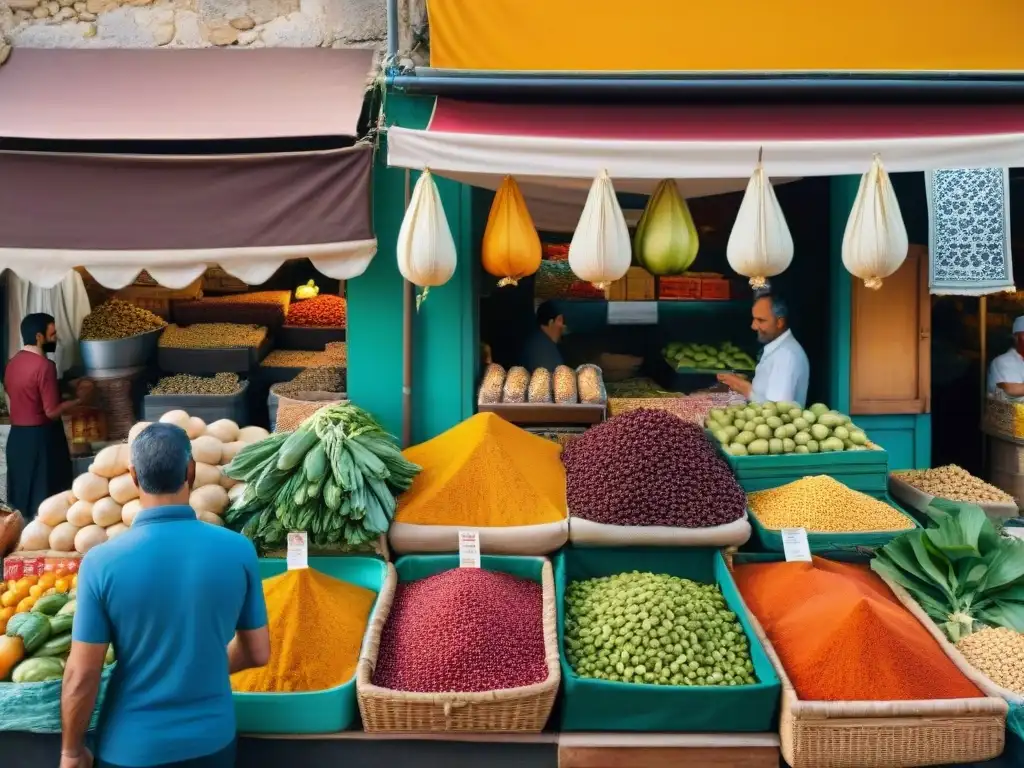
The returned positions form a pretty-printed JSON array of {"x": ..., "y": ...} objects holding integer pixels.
[
  {"x": 821, "y": 503},
  {"x": 998, "y": 653}
]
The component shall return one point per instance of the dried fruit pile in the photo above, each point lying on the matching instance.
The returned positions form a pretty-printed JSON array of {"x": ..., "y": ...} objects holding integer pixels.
[
  {"x": 334, "y": 354},
  {"x": 463, "y": 630},
  {"x": 954, "y": 483},
  {"x": 649, "y": 467},
  {"x": 116, "y": 319},
  {"x": 325, "y": 311},
  {"x": 213, "y": 336},
  {"x": 186, "y": 384},
  {"x": 323, "y": 379}
]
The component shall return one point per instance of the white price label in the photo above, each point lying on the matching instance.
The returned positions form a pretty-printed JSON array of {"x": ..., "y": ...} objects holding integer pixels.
[
  {"x": 298, "y": 550},
  {"x": 469, "y": 549},
  {"x": 632, "y": 313},
  {"x": 794, "y": 544}
]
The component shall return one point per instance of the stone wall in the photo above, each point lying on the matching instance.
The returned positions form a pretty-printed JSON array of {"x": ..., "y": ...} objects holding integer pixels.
[{"x": 194, "y": 23}]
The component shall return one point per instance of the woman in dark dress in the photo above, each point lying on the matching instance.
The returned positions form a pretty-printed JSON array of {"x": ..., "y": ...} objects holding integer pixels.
[{"x": 38, "y": 460}]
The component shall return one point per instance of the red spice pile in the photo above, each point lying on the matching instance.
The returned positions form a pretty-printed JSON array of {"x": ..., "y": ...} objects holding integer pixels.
[
  {"x": 326, "y": 311},
  {"x": 463, "y": 630},
  {"x": 842, "y": 635}
]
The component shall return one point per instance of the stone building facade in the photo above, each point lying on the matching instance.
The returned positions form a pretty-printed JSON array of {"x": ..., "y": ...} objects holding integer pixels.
[{"x": 202, "y": 23}]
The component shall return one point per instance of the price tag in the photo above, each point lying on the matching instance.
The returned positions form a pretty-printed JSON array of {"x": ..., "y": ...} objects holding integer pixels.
[
  {"x": 298, "y": 550},
  {"x": 632, "y": 313},
  {"x": 469, "y": 549},
  {"x": 794, "y": 544}
]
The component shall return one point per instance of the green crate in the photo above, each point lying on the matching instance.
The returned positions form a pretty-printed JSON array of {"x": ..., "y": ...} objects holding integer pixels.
[
  {"x": 326, "y": 711},
  {"x": 872, "y": 483},
  {"x": 801, "y": 464},
  {"x": 770, "y": 540},
  {"x": 604, "y": 705}
]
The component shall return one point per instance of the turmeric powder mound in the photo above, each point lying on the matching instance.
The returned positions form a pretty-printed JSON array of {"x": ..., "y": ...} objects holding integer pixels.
[
  {"x": 842, "y": 635},
  {"x": 316, "y": 630},
  {"x": 486, "y": 473}
]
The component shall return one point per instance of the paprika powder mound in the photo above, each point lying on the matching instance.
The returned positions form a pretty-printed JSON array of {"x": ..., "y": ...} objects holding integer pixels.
[
  {"x": 842, "y": 635},
  {"x": 316, "y": 626}
]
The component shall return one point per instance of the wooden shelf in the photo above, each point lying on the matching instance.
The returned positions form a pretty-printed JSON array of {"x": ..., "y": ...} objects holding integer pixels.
[{"x": 547, "y": 413}]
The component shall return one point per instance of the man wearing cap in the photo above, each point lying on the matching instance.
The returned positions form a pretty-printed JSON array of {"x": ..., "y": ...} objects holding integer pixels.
[{"x": 1006, "y": 372}]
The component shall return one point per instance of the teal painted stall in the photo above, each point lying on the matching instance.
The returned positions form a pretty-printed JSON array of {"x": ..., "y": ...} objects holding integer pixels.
[{"x": 446, "y": 327}]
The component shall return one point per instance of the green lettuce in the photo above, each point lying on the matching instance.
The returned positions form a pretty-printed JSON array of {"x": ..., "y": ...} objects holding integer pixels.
[{"x": 960, "y": 570}]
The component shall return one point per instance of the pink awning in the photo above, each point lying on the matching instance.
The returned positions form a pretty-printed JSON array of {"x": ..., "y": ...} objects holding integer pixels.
[
  {"x": 182, "y": 94},
  {"x": 568, "y": 145}
]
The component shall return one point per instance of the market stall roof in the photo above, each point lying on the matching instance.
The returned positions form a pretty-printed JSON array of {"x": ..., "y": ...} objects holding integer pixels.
[
  {"x": 182, "y": 95},
  {"x": 560, "y": 145},
  {"x": 176, "y": 215}
]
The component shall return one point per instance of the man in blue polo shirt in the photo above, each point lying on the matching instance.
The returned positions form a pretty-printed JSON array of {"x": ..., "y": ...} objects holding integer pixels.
[{"x": 182, "y": 604}]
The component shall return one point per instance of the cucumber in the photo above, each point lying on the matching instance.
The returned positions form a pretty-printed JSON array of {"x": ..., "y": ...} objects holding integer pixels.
[
  {"x": 55, "y": 646},
  {"x": 61, "y": 623},
  {"x": 50, "y": 605},
  {"x": 38, "y": 670},
  {"x": 295, "y": 448}
]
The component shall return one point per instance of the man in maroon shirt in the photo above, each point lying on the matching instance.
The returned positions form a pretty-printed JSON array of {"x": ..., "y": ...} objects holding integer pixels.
[{"x": 38, "y": 461}]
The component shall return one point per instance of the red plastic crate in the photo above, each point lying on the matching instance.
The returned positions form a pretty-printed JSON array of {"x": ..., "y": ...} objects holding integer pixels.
[
  {"x": 679, "y": 288},
  {"x": 715, "y": 289}
]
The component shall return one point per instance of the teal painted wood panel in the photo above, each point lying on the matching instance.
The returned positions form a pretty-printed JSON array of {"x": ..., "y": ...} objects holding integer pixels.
[
  {"x": 445, "y": 357},
  {"x": 906, "y": 437},
  {"x": 842, "y": 193}
]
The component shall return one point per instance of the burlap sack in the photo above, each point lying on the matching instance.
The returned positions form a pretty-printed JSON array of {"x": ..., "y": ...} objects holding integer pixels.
[
  {"x": 11, "y": 524},
  {"x": 291, "y": 413}
]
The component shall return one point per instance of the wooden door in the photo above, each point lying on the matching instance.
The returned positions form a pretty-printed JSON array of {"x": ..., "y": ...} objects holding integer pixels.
[{"x": 890, "y": 360}]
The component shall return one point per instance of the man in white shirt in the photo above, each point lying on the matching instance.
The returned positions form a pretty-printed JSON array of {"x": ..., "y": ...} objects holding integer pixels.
[
  {"x": 1006, "y": 372},
  {"x": 783, "y": 372}
]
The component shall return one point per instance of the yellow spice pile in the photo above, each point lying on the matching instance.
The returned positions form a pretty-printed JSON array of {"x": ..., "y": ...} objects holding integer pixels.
[
  {"x": 998, "y": 653},
  {"x": 316, "y": 627},
  {"x": 821, "y": 503}
]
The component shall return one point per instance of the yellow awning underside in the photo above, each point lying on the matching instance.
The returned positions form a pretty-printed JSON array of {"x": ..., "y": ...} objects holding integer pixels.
[{"x": 736, "y": 36}]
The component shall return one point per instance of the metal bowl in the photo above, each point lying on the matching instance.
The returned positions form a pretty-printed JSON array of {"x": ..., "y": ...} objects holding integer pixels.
[{"x": 133, "y": 352}]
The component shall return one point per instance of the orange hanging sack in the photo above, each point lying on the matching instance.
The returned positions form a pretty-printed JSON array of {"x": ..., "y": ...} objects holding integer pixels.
[{"x": 511, "y": 247}]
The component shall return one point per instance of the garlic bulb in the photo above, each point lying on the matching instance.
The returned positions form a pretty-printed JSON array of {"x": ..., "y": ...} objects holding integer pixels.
[
  {"x": 666, "y": 240},
  {"x": 875, "y": 243},
  {"x": 760, "y": 245},
  {"x": 600, "y": 250},
  {"x": 426, "y": 248},
  {"x": 511, "y": 246}
]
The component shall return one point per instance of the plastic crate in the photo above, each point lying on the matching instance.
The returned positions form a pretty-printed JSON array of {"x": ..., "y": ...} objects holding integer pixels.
[
  {"x": 327, "y": 711},
  {"x": 209, "y": 408},
  {"x": 603, "y": 705},
  {"x": 770, "y": 540}
]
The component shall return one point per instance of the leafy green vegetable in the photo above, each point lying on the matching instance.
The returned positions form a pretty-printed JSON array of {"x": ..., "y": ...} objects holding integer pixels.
[{"x": 960, "y": 570}]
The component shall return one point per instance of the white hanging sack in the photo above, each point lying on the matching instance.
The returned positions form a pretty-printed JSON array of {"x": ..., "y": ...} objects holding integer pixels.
[
  {"x": 426, "y": 248},
  {"x": 601, "y": 251},
  {"x": 760, "y": 244},
  {"x": 875, "y": 243}
]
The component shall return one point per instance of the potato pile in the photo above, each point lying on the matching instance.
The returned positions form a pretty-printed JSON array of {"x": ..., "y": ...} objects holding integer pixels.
[
  {"x": 953, "y": 483},
  {"x": 103, "y": 502}
]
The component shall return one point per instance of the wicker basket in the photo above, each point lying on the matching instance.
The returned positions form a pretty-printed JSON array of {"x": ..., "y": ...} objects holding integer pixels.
[
  {"x": 884, "y": 734},
  {"x": 523, "y": 709},
  {"x": 970, "y": 672}
]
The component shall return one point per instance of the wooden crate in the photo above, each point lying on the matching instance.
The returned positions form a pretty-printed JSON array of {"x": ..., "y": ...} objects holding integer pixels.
[{"x": 637, "y": 285}]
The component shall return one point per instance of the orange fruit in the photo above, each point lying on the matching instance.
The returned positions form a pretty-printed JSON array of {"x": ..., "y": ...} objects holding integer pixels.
[
  {"x": 9, "y": 598},
  {"x": 26, "y": 605},
  {"x": 74, "y": 581},
  {"x": 63, "y": 585},
  {"x": 36, "y": 590},
  {"x": 47, "y": 580}
]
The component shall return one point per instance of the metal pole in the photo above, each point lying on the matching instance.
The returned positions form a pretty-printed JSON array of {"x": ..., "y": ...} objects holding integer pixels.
[
  {"x": 983, "y": 344},
  {"x": 408, "y": 304},
  {"x": 392, "y": 56}
]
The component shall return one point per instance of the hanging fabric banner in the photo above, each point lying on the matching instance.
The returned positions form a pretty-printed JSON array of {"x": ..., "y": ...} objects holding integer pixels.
[{"x": 969, "y": 231}]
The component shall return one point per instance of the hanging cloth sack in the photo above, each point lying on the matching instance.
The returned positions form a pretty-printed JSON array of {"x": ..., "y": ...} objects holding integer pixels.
[
  {"x": 760, "y": 245},
  {"x": 875, "y": 243},
  {"x": 666, "y": 241},
  {"x": 600, "y": 251},
  {"x": 426, "y": 248},
  {"x": 511, "y": 246}
]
